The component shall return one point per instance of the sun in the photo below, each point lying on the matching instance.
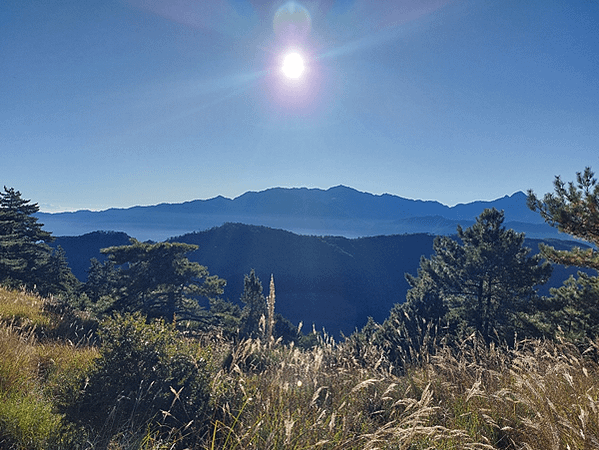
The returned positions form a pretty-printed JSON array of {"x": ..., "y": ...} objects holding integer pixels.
[{"x": 293, "y": 65}]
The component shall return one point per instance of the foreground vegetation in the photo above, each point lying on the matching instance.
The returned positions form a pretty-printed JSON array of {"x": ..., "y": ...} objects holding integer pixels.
[{"x": 534, "y": 395}]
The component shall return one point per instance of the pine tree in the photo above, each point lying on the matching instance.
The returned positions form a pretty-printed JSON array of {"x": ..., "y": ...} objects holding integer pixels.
[
  {"x": 255, "y": 310},
  {"x": 58, "y": 277},
  {"x": 101, "y": 288},
  {"x": 159, "y": 280},
  {"x": 26, "y": 259},
  {"x": 573, "y": 208},
  {"x": 482, "y": 283}
]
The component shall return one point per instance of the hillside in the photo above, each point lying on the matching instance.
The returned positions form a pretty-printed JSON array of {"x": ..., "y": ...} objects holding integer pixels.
[
  {"x": 333, "y": 282},
  {"x": 338, "y": 211},
  {"x": 60, "y": 392},
  {"x": 80, "y": 249}
]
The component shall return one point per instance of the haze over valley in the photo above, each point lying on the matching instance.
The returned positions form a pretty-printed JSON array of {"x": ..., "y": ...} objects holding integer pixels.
[{"x": 338, "y": 211}]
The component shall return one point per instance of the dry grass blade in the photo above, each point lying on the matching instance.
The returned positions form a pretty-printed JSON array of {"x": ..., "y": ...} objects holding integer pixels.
[{"x": 364, "y": 384}]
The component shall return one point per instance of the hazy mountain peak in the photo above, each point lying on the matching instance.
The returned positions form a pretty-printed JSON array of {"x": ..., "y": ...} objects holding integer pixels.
[{"x": 339, "y": 210}]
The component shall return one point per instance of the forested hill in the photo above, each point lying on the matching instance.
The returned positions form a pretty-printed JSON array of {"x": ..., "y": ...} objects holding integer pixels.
[
  {"x": 338, "y": 211},
  {"x": 333, "y": 282}
]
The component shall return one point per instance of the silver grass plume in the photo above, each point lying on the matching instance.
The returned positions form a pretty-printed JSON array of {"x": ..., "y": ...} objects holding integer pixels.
[{"x": 270, "y": 303}]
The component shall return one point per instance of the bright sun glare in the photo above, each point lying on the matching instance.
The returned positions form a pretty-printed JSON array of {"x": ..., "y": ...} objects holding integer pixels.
[{"x": 293, "y": 65}]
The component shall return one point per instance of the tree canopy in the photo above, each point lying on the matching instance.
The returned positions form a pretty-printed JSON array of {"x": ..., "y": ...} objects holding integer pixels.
[
  {"x": 573, "y": 207},
  {"x": 482, "y": 282},
  {"x": 158, "y": 279},
  {"x": 255, "y": 309},
  {"x": 26, "y": 259}
]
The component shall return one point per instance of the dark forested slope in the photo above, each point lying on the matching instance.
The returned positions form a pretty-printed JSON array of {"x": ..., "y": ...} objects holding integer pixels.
[{"x": 333, "y": 282}]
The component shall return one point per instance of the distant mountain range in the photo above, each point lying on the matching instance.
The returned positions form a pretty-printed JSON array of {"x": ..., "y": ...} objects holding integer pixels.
[
  {"x": 338, "y": 211},
  {"x": 332, "y": 282}
]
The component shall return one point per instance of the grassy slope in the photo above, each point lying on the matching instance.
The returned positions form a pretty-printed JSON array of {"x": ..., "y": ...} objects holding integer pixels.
[
  {"x": 35, "y": 372},
  {"x": 541, "y": 395}
]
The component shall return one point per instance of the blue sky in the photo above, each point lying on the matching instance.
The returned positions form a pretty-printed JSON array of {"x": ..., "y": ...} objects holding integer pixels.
[{"x": 117, "y": 103}]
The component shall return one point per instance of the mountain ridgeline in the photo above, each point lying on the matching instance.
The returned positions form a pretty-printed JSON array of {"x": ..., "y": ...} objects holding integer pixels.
[
  {"x": 338, "y": 211},
  {"x": 331, "y": 282}
]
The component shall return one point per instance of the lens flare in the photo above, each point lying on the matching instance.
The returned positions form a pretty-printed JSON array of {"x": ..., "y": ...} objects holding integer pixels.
[{"x": 292, "y": 22}]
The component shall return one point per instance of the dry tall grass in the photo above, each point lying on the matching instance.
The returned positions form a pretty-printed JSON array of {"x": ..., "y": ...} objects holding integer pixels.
[
  {"x": 539, "y": 395},
  {"x": 35, "y": 375},
  {"x": 284, "y": 397}
]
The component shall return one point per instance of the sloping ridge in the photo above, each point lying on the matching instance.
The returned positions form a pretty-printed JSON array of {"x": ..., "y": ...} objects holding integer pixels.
[
  {"x": 339, "y": 210},
  {"x": 333, "y": 282}
]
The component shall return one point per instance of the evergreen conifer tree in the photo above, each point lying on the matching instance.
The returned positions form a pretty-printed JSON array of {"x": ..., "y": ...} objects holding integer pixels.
[
  {"x": 26, "y": 259},
  {"x": 482, "y": 283},
  {"x": 159, "y": 280},
  {"x": 23, "y": 244},
  {"x": 58, "y": 277},
  {"x": 255, "y": 311},
  {"x": 572, "y": 208},
  {"x": 101, "y": 288}
]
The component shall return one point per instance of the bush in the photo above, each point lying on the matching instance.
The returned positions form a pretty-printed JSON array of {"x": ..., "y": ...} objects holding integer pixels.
[
  {"x": 146, "y": 376},
  {"x": 36, "y": 374},
  {"x": 28, "y": 422}
]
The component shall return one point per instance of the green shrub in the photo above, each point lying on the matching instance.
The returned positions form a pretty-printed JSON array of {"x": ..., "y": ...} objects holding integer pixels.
[
  {"x": 22, "y": 309},
  {"x": 146, "y": 375},
  {"x": 28, "y": 422}
]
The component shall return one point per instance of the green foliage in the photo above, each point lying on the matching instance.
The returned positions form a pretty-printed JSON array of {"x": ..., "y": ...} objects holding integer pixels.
[
  {"x": 146, "y": 374},
  {"x": 224, "y": 316},
  {"x": 23, "y": 310},
  {"x": 412, "y": 330},
  {"x": 572, "y": 310},
  {"x": 58, "y": 278},
  {"x": 253, "y": 320},
  {"x": 254, "y": 312},
  {"x": 102, "y": 281},
  {"x": 404, "y": 338},
  {"x": 573, "y": 209},
  {"x": 285, "y": 330},
  {"x": 27, "y": 421},
  {"x": 484, "y": 283},
  {"x": 26, "y": 259},
  {"x": 156, "y": 279},
  {"x": 535, "y": 394},
  {"x": 34, "y": 376},
  {"x": 425, "y": 299},
  {"x": 576, "y": 307},
  {"x": 495, "y": 279}
]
